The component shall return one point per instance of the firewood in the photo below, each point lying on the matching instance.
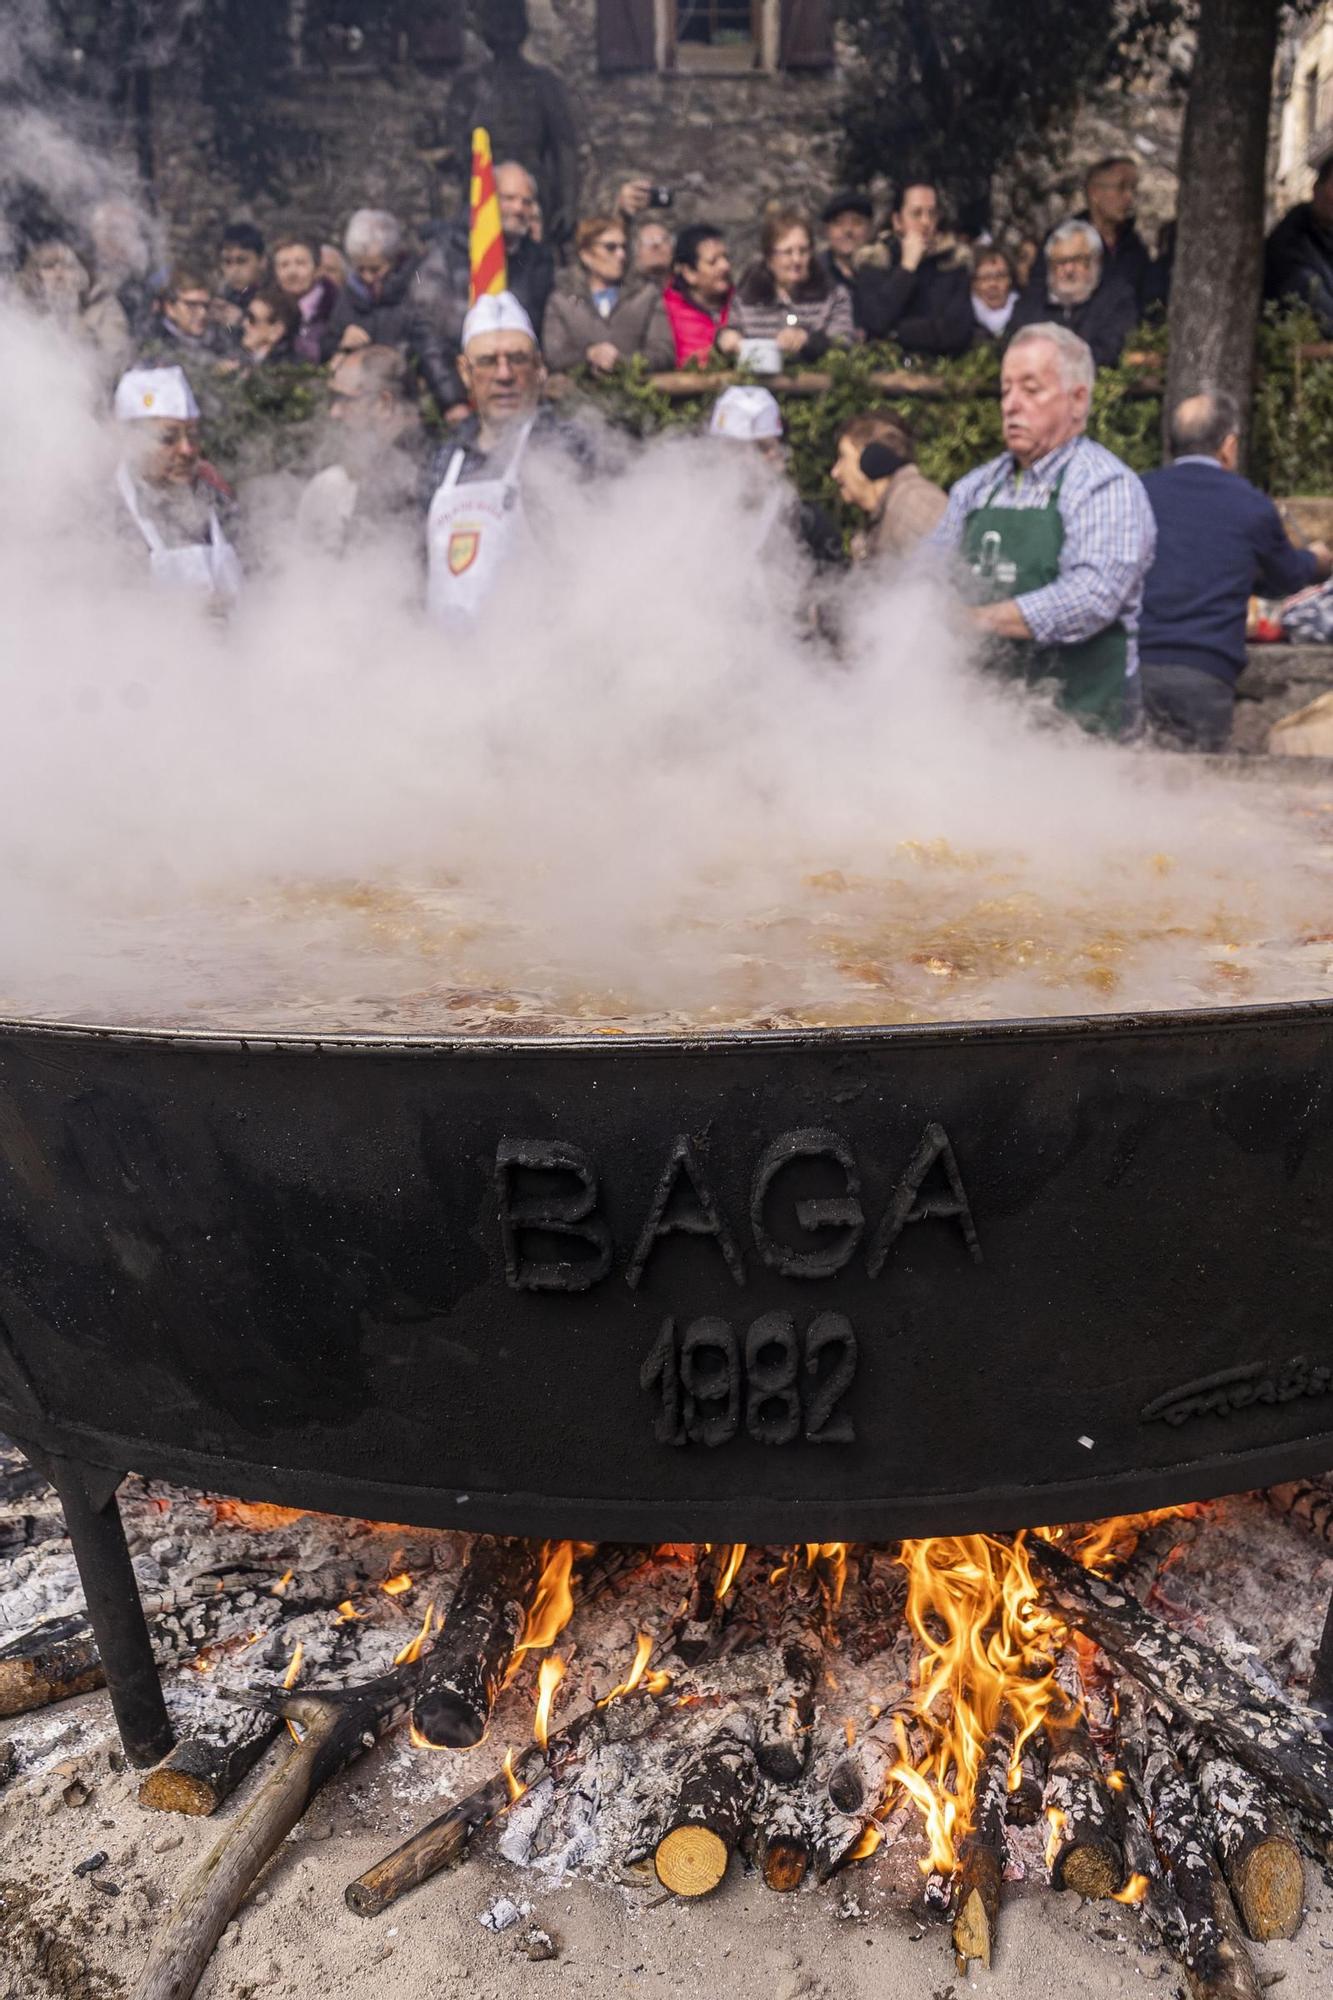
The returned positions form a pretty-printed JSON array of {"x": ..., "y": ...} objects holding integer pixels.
[
  {"x": 1084, "y": 1851},
  {"x": 782, "y": 1848},
  {"x": 465, "y": 1668},
  {"x": 1137, "y": 1575},
  {"x": 444, "y": 1841},
  {"x": 203, "y": 1770},
  {"x": 983, "y": 1852},
  {"x": 1257, "y": 1849},
  {"x": 53, "y": 1661},
  {"x": 1024, "y": 1802},
  {"x": 337, "y": 1727},
  {"x": 1277, "y": 1743},
  {"x": 783, "y": 1737},
  {"x": 1309, "y": 1501},
  {"x": 1210, "y": 1947},
  {"x": 859, "y": 1781},
  {"x": 708, "y": 1817},
  {"x": 19, "y": 1480},
  {"x": 696, "y": 1634},
  {"x": 881, "y": 1595}
]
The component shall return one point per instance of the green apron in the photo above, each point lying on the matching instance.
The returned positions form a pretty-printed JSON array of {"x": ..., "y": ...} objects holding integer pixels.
[{"x": 1014, "y": 550}]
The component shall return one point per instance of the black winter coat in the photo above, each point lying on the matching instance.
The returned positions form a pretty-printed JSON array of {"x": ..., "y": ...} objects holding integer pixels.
[
  {"x": 1298, "y": 265},
  {"x": 927, "y": 311},
  {"x": 1105, "y": 321}
]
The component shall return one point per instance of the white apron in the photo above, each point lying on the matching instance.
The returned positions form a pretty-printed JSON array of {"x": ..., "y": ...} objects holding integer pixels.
[
  {"x": 207, "y": 569},
  {"x": 472, "y": 532}
]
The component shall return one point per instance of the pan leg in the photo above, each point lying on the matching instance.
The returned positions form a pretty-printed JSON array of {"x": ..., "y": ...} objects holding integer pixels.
[{"x": 88, "y": 1497}]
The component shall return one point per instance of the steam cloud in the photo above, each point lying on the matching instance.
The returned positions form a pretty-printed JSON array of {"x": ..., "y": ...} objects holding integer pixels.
[{"x": 641, "y": 787}]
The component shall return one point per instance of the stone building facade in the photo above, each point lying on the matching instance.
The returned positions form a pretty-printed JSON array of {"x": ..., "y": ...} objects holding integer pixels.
[
  {"x": 1305, "y": 109},
  {"x": 729, "y": 103},
  {"x": 726, "y": 123}
]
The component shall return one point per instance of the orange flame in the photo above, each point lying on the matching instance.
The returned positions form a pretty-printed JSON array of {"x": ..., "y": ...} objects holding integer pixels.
[
  {"x": 395, "y": 1586},
  {"x": 347, "y": 1611},
  {"x": 549, "y": 1676},
  {"x": 516, "y": 1785},
  {"x": 282, "y": 1583},
  {"x": 417, "y": 1646},
  {"x": 849, "y": 1731},
  {"x": 735, "y": 1556},
  {"x": 289, "y": 1679},
  {"x": 553, "y": 1606},
  {"x": 986, "y": 1645},
  {"x": 867, "y": 1844},
  {"x": 655, "y": 1683},
  {"x": 834, "y": 1556},
  {"x": 1133, "y": 1892},
  {"x": 1058, "y": 1822}
]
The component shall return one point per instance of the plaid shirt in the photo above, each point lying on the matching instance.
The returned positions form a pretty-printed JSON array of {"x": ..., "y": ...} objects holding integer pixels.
[{"x": 1110, "y": 538}]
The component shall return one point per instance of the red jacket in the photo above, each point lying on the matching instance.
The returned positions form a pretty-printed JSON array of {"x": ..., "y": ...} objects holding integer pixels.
[{"x": 693, "y": 327}]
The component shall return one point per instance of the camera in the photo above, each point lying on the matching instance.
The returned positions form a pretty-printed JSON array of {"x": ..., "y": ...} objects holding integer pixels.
[{"x": 660, "y": 197}]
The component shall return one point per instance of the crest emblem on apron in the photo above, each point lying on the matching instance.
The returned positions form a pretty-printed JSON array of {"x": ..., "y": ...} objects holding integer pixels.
[{"x": 463, "y": 548}]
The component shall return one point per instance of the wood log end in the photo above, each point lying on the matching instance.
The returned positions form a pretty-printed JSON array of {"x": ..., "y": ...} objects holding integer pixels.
[
  {"x": 1093, "y": 1872},
  {"x": 166, "y": 1790},
  {"x": 691, "y": 1860},
  {"x": 1270, "y": 1891},
  {"x": 448, "y": 1722},
  {"x": 784, "y": 1866},
  {"x": 783, "y": 1763}
]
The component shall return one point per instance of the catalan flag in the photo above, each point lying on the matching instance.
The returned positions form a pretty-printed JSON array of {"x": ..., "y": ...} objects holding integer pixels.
[{"x": 487, "y": 244}]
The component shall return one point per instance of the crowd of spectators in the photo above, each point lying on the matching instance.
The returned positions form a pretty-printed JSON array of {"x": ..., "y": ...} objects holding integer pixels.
[{"x": 1126, "y": 597}]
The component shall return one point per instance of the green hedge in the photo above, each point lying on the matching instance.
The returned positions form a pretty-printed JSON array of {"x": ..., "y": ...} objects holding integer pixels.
[{"x": 271, "y": 419}]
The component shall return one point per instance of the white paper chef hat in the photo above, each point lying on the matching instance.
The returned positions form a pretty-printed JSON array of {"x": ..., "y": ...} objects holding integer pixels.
[
  {"x": 746, "y": 416},
  {"x": 497, "y": 312},
  {"x": 155, "y": 392}
]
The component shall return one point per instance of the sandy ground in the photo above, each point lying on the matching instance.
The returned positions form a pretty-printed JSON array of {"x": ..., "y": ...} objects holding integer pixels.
[{"x": 68, "y": 1936}]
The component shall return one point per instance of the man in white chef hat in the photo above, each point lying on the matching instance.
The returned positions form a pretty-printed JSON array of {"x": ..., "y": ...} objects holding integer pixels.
[
  {"x": 749, "y": 415},
  {"x": 477, "y": 525},
  {"x": 171, "y": 495}
]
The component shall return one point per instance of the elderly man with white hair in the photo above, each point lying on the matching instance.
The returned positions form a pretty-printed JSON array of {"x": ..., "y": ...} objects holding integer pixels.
[
  {"x": 379, "y": 301},
  {"x": 479, "y": 515},
  {"x": 1058, "y": 536},
  {"x": 1072, "y": 287},
  {"x": 172, "y": 500}
]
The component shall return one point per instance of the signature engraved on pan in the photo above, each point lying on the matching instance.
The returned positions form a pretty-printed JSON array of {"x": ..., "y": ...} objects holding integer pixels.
[{"x": 1236, "y": 1389}]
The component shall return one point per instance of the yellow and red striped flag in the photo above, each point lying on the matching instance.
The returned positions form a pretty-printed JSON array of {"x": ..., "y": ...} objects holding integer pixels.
[{"x": 486, "y": 249}]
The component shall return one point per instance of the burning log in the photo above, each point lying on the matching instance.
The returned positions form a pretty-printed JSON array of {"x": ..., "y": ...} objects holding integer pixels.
[
  {"x": 1155, "y": 1548},
  {"x": 1084, "y": 1851},
  {"x": 1309, "y": 1501},
  {"x": 881, "y": 1594},
  {"x": 782, "y": 1848},
  {"x": 1209, "y": 1942},
  {"x": 1273, "y": 1741},
  {"x": 783, "y": 1739},
  {"x": 337, "y": 1727},
  {"x": 1024, "y": 1803},
  {"x": 445, "y": 1840},
  {"x": 51, "y": 1662},
  {"x": 709, "y": 1816},
  {"x": 696, "y": 1633},
  {"x": 1258, "y": 1852},
  {"x": 983, "y": 1852},
  {"x": 466, "y": 1666}
]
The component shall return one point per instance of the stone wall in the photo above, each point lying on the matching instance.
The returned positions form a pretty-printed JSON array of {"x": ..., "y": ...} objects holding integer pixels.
[{"x": 725, "y": 144}]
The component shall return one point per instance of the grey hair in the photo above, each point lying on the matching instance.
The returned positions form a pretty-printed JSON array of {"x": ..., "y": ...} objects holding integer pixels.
[
  {"x": 1086, "y": 232},
  {"x": 1078, "y": 370},
  {"x": 1203, "y": 422},
  {"x": 373, "y": 232},
  {"x": 502, "y": 166}
]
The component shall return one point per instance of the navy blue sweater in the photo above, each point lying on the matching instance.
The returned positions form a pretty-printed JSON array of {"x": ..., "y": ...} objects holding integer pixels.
[{"x": 1219, "y": 540}]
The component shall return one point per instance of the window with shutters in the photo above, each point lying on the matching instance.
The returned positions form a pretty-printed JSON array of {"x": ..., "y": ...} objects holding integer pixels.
[{"x": 714, "y": 36}]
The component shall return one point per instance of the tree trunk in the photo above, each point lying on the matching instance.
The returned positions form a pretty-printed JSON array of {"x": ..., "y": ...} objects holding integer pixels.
[{"x": 1220, "y": 241}]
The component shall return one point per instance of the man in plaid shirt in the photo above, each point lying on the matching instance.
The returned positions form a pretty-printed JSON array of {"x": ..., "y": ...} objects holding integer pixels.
[{"x": 1058, "y": 536}]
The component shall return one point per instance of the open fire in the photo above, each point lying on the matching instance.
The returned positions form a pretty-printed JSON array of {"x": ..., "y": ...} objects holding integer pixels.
[{"x": 959, "y": 1712}]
